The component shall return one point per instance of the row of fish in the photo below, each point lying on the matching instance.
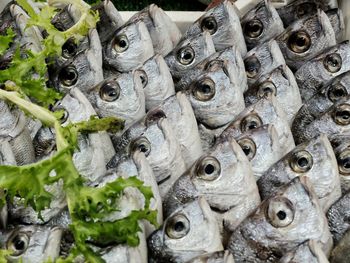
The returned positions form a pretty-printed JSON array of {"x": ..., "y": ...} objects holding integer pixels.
[{"x": 240, "y": 126}]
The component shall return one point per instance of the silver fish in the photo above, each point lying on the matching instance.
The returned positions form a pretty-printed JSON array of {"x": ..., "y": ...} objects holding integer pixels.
[
  {"x": 281, "y": 83},
  {"x": 224, "y": 177},
  {"x": 215, "y": 98},
  {"x": 340, "y": 253},
  {"x": 309, "y": 251},
  {"x": 222, "y": 22},
  {"x": 319, "y": 103},
  {"x": 326, "y": 66},
  {"x": 314, "y": 159},
  {"x": 157, "y": 82},
  {"x": 188, "y": 53},
  {"x": 130, "y": 46},
  {"x": 164, "y": 32},
  {"x": 180, "y": 115},
  {"x": 306, "y": 38},
  {"x": 188, "y": 232},
  {"x": 265, "y": 111},
  {"x": 32, "y": 243},
  {"x": 261, "y": 60},
  {"x": 216, "y": 257},
  {"x": 119, "y": 95},
  {"x": 281, "y": 223},
  {"x": 261, "y": 23}
]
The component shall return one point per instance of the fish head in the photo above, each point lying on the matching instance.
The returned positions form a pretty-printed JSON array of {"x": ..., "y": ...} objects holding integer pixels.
[
  {"x": 188, "y": 232},
  {"x": 129, "y": 47},
  {"x": 261, "y": 23}
]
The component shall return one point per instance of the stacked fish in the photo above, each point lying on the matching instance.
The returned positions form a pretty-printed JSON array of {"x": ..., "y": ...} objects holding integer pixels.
[{"x": 241, "y": 126}]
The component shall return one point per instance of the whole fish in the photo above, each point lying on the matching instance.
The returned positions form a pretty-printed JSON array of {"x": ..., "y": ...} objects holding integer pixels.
[
  {"x": 216, "y": 257},
  {"x": 32, "y": 243},
  {"x": 281, "y": 223},
  {"x": 309, "y": 251},
  {"x": 260, "y": 24},
  {"x": 179, "y": 113},
  {"x": 261, "y": 60},
  {"x": 215, "y": 98},
  {"x": 314, "y": 159},
  {"x": 306, "y": 38},
  {"x": 331, "y": 63},
  {"x": 164, "y": 32},
  {"x": 265, "y": 111},
  {"x": 119, "y": 95},
  {"x": 129, "y": 47},
  {"x": 188, "y": 53},
  {"x": 281, "y": 83},
  {"x": 188, "y": 232},
  {"x": 333, "y": 122},
  {"x": 340, "y": 253},
  {"x": 230, "y": 55},
  {"x": 319, "y": 103},
  {"x": 224, "y": 177},
  {"x": 157, "y": 82},
  {"x": 223, "y": 24},
  {"x": 262, "y": 147}
]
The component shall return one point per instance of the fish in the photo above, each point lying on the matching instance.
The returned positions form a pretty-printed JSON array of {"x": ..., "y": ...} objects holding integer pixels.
[
  {"x": 222, "y": 22},
  {"x": 262, "y": 147},
  {"x": 156, "y": 139},
  {"x": 188, "y": 53},
  {"x": 333, "y": 122},
  {"x": 119, "y": 95},
  {"x": 331, "y": 63},
  {"x": 338, "y": 218},
  {"x": 261, "y": 24},
  {"x": 215, "y": 98},
  {"x": 337, "y": 20},
  {"x": 228, "y": 55},
  {"x": 128, "y": 48},
  {"x": 340, "y": 253},
  {"x": 331, "y": 92},
  {"x": 217, "y": 257},
  {"x": 314, "y": 159},
  {"x": 282, "y": 222},
  {"x": 188, "y": 232},
  {"x": 282, "y": 84},
  {"x": 261, "y": 60},
  {"x": 32, "y": 243},
  {"x": 164, "y": 32},
  {"x": 224, "y": 177},
  {"x": 157, "y": 82},
  {"x": 265, "y": 111},
  {"x": 306, "y": 38},
  {"x": 80, "y": 65},
  {"x": 179, "y": 113},
  {"x": 309, "y": 251}
]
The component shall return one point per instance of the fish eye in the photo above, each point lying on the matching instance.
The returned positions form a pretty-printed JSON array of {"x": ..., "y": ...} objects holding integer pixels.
[
  {"x": 344, "y": 162},
  {"x": 280, "y": 212},
  {"x": 250, "y": 122},
  {"x": 209, "y": 24},
  {"x": 185, "y": 55},
  {"x": 248, "y": 146},
  {"x": 299, "y": 42},
  {"x": 141, "y": 144},
  {"x": 253, "y": 28},
  {"x": 204, "y": 89},
  {"x": 177, "y": 226},
  {"x": 252, "y": 66},
  {"x": 143, "y": 77},
  {"x": 68, "y": 76},
  {"x": 69, "y": 49},
  {"x": 342, "y": 114},
  {"x": 304, "y": 9},
  {"x": 301, "y": 161},
  {"x": 208, "y": 168},
  {"x": 110, "y": 91},
  {"x": 121, "y": 43},
  {"x": 265, "y": 88},
  {"x": 333, "y": 62},
  {"x": 18, "y": 243},
  {"x": 336, "y": 92}
]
